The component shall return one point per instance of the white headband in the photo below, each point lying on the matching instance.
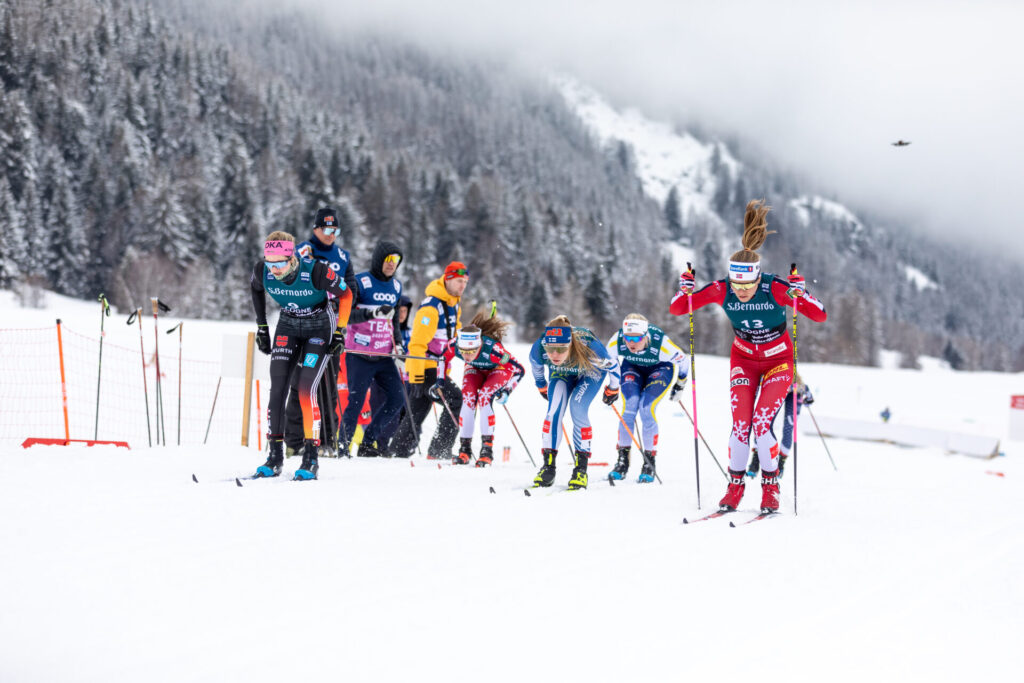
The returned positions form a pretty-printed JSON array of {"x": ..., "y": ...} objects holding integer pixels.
[
  {"x": 744, "y": 272},
  {"x": 469, "y": 340},
  {"x": 632, "y": 327}
]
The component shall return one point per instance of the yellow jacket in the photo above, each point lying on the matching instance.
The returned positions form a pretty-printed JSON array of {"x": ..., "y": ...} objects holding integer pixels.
[{"x": 428, "y": 338}]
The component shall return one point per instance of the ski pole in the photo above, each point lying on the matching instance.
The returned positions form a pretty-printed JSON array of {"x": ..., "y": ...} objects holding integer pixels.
[
  {"x": 693, "y": 386},
  {"x": 521, "y": 439},
  {"x": 180, "y": 327},
  {"x": 408, "y": 417},
  {"x": 212, "y": 408},
  {"x": 632, "y": 436},
  {"x": 137, "y": 314},
  {"x": 161, "y": 426},
  {"x": 104, "y": 313},
  {"x": 455, "y": 423},
  {"x": 823, "y": 442},
  {"x": 796, "y": 301},
  {"x": 703, "y": 440}
]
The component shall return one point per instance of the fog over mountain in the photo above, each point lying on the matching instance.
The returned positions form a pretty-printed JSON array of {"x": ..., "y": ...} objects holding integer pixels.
[{"x": 162, "y": 141}]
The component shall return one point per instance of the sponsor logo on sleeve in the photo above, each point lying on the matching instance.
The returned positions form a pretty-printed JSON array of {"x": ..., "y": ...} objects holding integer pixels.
[
  {"x": 331, "y": 275},
  {"x": 425, "y": 320},
  {"x": 365, "y": 281},
  {"x": 305, "y": 251}
]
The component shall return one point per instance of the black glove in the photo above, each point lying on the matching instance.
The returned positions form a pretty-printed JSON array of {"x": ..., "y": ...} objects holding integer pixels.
[
  {"x": 381, "y": 312},
  {"x": 417, "y": 390},
  {"x": 263, "y": 338},
  {"x": 337, "y": 341},
  {"x": 610, "y": 396},
  {"x": 434, "y": 391},
  {"x": 500, "y": 396}
]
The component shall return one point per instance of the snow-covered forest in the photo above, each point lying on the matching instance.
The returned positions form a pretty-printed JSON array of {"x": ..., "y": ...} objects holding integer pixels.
[{"x": 146, "y": 148}]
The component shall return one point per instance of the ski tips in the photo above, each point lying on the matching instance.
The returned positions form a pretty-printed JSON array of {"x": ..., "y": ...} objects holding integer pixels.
[
  {"x": 732, "y": 524},
  {"x": 610, "y": 480},
  {"x": 491, "y": 488},
  {"x": 194, "y": 479},
  {"x": 238, "y": 483},
  {"x": 527, "y": 492},
  {"x": 685, "y": 521}
]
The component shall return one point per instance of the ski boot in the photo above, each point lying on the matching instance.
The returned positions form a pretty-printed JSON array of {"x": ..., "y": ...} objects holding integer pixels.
[
  {"x": 368, "y": 449},
  {"x": 465, "y": 453},
  {"x": 486, "y": 451},
  {"x": 782, "y": 464},
  {"x": 734, "y": 494},
  {"x": 755, "y": 464},
  {"x": 578, "y": 480},
  {"x": 622, "y": 466},
  {"x": 647, "y": 473},
  {"x": 546, "y": 476},
  {"x": 272, "y": 467},
  {"x": 307, "y": 470},
  {"x": 769, "y": 492}
]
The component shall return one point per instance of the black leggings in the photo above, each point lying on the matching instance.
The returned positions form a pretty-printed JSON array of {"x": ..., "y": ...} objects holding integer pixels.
[{"x": 302, "y": 342}]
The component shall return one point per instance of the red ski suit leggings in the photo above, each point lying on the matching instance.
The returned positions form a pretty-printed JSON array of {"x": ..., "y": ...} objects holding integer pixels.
[
  {"x": 772, "y": 372},
  {"x": 478, "y": 388}
]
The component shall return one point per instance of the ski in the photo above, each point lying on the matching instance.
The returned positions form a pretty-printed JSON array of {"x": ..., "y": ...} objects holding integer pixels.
[
  {"x": 758, "y": 518},
  {"x": 713, "y": 515}
]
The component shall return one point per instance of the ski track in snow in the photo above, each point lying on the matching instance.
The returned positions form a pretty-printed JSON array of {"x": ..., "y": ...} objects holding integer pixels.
[{"x": 903, "y": 565}]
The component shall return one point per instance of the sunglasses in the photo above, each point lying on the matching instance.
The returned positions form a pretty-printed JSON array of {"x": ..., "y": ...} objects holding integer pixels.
[
  {"x": 393, "y": 258},
  {"x": 331, "y": 231},
  {"x": 743, "y": 286},
  {"x": 633, "y": 338},
  {"x": 276, "y": 264},
  {"x": 556, "y": 348},
  {"x": 469, "y": 352}
]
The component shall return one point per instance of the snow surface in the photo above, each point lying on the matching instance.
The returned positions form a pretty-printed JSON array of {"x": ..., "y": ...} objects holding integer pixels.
[{"x": 903, "y": 565}]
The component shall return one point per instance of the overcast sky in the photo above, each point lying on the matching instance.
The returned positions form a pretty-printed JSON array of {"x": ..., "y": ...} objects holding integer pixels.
[{"x": 822, "y": 87}]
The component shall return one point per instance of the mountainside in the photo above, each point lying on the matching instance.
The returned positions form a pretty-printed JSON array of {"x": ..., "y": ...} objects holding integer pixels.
[{"x": 158, "y": 143}]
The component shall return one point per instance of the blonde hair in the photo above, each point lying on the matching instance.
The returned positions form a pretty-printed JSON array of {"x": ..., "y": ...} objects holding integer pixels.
[
  {"x": 581, "y": 357},
  {"x": 281, "y": 236},
  {"x": 755, "y": 231},
  {"x": 635, "y": 316},
  {"x": 493, "y": 327}
]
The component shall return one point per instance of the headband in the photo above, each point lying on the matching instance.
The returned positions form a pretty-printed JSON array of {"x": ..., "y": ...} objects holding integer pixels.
[
  {"x": 278, "y": 248},
  {"x": 634, "y": 328},
  {"x": 469, "y": 340},
  {"x": 744, "y": 272}
]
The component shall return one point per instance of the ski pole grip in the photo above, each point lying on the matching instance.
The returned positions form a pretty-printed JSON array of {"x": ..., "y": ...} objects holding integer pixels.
[
  {"x": 792, "y": 269},
  {"x": 131, "y": 318},
  {"x": 153, "y": 301}
]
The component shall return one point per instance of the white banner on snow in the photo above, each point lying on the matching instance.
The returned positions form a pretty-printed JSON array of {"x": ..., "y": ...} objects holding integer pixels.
[{"x": 906, "y": 435}]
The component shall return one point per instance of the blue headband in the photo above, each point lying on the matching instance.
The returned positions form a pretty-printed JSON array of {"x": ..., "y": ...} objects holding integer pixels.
[{"x": 557, "y": 336}]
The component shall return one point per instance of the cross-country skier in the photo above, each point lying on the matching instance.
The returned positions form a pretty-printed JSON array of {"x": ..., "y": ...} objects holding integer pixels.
[
  {"x": 762, "y": 353},
  {"x": 321, "y": 246},
  {"x": 577, "y": 365},
  {"x": 490, "y": 375},
  {"x": 371, "y": 329},
  {"x": 307, "y": 332},
  {"x": 651, "y": 366}
]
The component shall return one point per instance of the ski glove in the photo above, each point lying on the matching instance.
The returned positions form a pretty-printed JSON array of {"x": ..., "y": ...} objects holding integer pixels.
[
  {"x": 381, "y": 312},
  {"x": 686, "y": 282},
  {"x": 263, "y": 338},
  {"x": 543, "y": 391},
  {"x": 678, "y": 388},
  {"x": 500, "y": 396},
  {"x": 610, "y": 396},
  {"x": 797, "y": 286},
  {"x": 434, "y": 392},
  {"x": 337, "y": 341}
]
